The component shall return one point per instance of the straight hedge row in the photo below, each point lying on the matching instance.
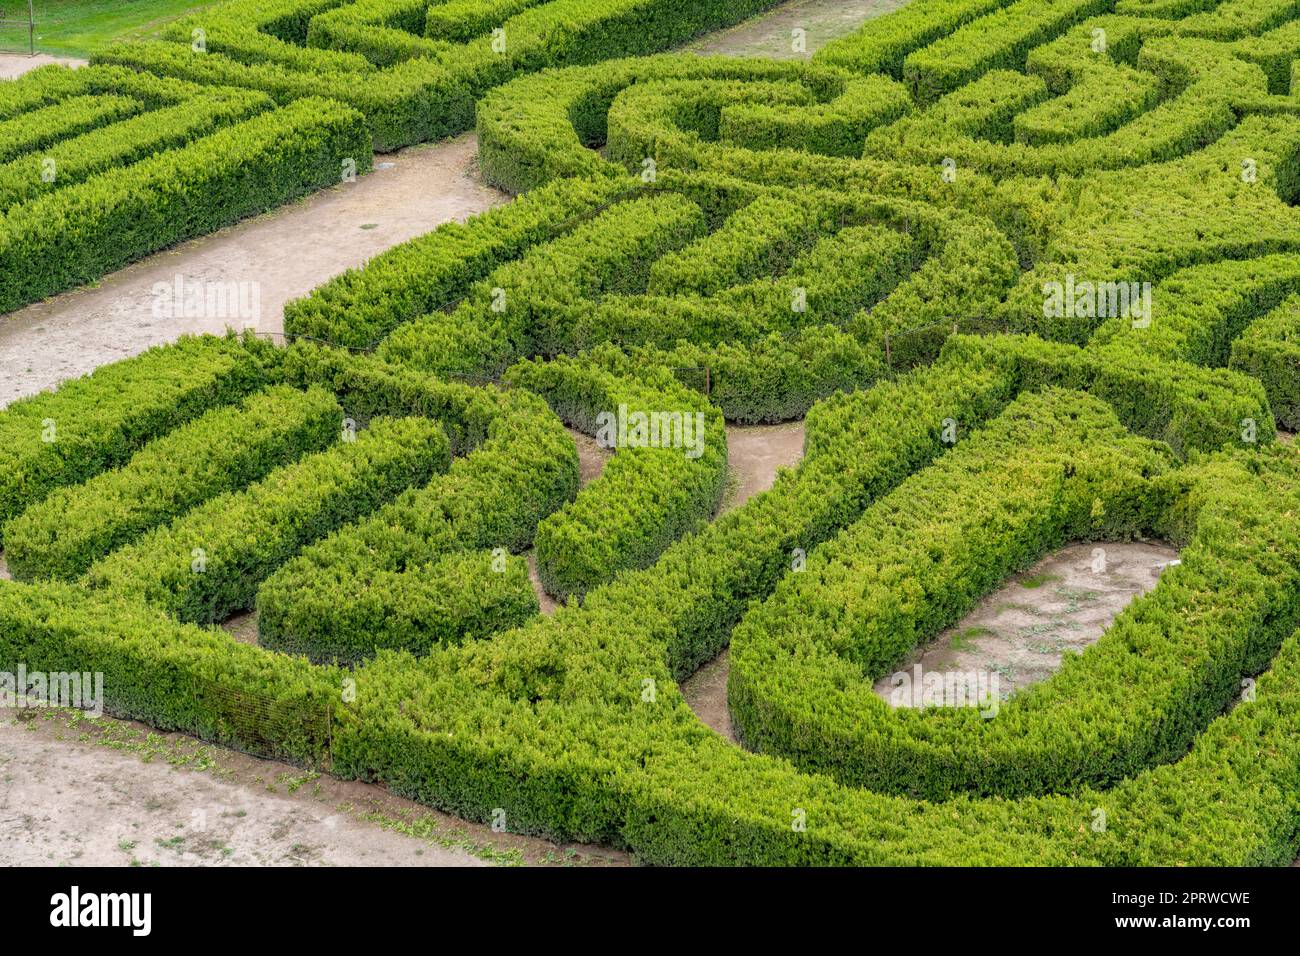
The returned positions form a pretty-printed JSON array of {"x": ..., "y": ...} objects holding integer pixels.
[
  {"x": 99, "y": 421},
  {"x": 79, "y": 233},
  {"x": 175, "y": 676},
  {"x": 220, "y": 452},
  {"x": 125, "y": 142},
  {"x": 208, "y": 563},
  {"x": 1198, "y": 313},
  {"x": 883, "y": 43},
  {"x": 70, "y": 117}
]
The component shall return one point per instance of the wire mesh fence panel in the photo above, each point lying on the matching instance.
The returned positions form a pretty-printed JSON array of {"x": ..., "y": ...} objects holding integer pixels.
[{"x": 294, "y": 730}]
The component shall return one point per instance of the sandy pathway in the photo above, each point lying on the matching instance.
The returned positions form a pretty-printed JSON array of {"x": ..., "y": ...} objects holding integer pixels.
[
  {"x": 14, "y": 65},
  {"x": 280, "y": 255},
  {"x": 772, "y": 34},
  {"x": 754, "y": 456},
  {"x": 117, "y": 793}
]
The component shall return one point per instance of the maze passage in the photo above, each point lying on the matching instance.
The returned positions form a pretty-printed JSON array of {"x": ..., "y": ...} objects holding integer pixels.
[
  {"x": 103, "y": 165},
  {"x": 1027, "y": 270},
  {"x": 248, "y": 105}
]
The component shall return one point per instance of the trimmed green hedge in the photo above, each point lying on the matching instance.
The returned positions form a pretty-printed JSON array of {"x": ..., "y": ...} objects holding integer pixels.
[
  {"x": 882, "y": 45},
  {"x": 1199, "y": 313},
  {"x": 666, "y": 478},
  {"x": 528, "y": 307},
  {"x": 360, "y": 306},
  {"x": 75, "y": 115},
  {"x": 460, "y": 596},
  {"x": 78, "y": 233},
  {"x": 379, "y": 583},
  {"x": 175, "y": 676},
  {"x": 220, "y": 452},
  {"x": 1189, "y": 407},
  {"x": 1052, "y": 469},
  {"x": 208, "y": 563},
  {"x": 124, "y": 142},
  {"x": 409, "y": 87},
  {"x": 98, "y": 422},
  {"x": 1000, "y": 40},
  {"x": 1128, "y": 165},
  {"x": 1269, "y": 350}
]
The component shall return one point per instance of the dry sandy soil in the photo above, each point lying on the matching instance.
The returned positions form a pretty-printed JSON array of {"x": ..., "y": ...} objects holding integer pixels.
[
  {"x": 1063, "y": 603},
  {"x": 76, "y": 791},
  {"x": 771, "y": 34},
  {"x": 14, "y": 65},
  {"x": 287, "y": 252}
]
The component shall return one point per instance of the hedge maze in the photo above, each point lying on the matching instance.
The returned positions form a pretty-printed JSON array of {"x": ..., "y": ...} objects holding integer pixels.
[{"x": 1029, "y": 271}]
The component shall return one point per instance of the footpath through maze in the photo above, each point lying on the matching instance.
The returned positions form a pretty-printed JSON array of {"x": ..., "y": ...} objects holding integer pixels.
[{"x": 1030, "y": 271}]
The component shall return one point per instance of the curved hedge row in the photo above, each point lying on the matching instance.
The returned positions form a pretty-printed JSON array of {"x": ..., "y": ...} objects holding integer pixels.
[
  {"x": 1269, "y": 350},
  {"x": 676, "y": 275},
  {"x": 528, "y": 307},
  {"x": 1050, "y": 470},
  {"x": 383, "y": 582},
  {"x": 585, "y": 770},
  {"x": 665, "y": 480}
]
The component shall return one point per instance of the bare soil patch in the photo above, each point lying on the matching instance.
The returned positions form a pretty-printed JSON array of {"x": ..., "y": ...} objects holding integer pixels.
[
  {"x": 755, "y": 455},
  {"x": 286, "y": 253},
  {"x": 14, "y": 65},
  {"x": 770, "y": 34},
  {"x": 82, "y": 792},
  {"x": 1063, "y": 603}
]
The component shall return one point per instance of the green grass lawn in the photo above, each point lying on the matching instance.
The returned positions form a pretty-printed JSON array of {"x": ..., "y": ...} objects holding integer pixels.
[{"x": 80, "y": 27}]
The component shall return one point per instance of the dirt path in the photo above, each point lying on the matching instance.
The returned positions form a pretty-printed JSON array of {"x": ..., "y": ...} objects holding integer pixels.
[
  {"x": 754, "y": 456},
  {"x": 1063, "y": 603},
  {"x": 282, "y": 254},
  {"x": 116, "y": 793},
  {"x": 14, "y": 65},
  {"x": 592, "y": 457},
  {"x": 772, "y": 35}
]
